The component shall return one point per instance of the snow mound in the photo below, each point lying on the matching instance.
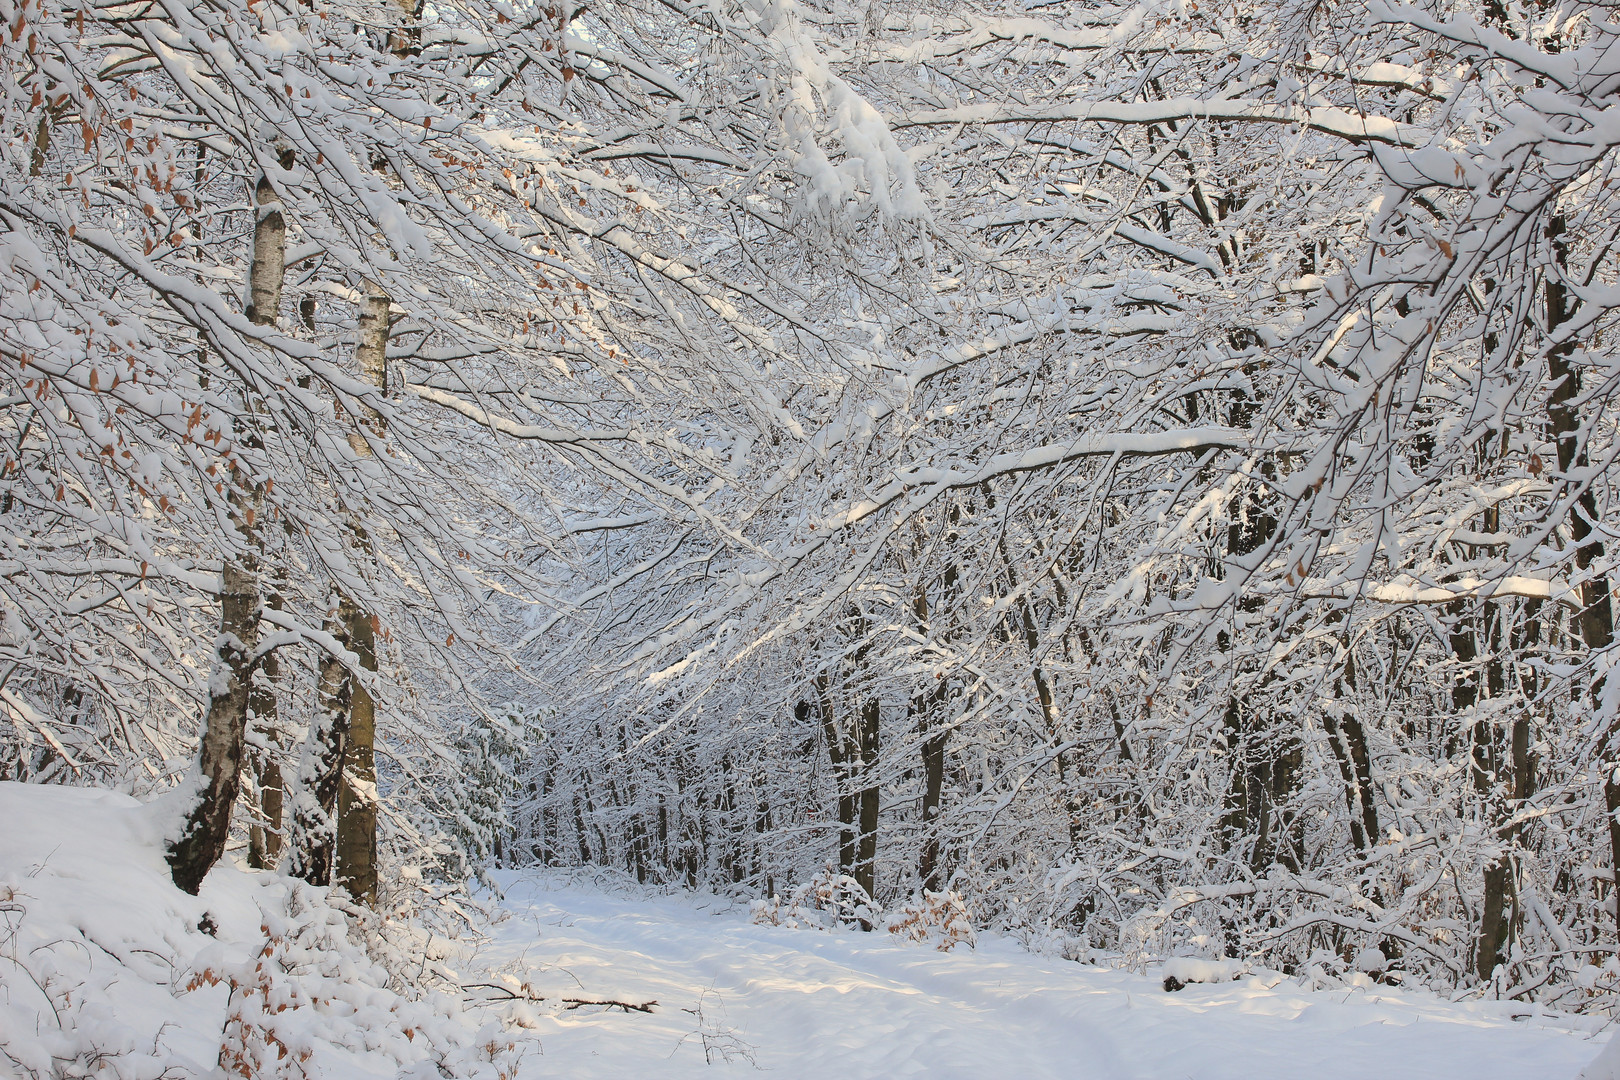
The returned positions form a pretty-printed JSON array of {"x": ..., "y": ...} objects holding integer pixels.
[
  {"x": 1178, "y": 971},
  {"x": 108, "y": 970}
]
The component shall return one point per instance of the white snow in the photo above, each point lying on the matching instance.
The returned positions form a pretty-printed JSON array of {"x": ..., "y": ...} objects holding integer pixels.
[
  {"x": 850, "y": 1005},
  {"x": 1194, "y": 969},
  {"x": 108, "y": 971},
  {"x": 97, "y": 952}
]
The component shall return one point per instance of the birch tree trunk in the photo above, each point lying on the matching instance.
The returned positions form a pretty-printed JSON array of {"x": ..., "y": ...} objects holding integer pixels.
[
  {"x": 267, "y": 272},
  {"x": 268, "y": 265},
  {"x": 264, "y": 838},
  {"x": 357, "y": 792},
  {"x": 264, "y": 753},
  {"x": 207, "y": 823},
  {"x": 314, "y": 826},
  {"x": 336, "y": 821},
  {"x": 218, "y": 774}
]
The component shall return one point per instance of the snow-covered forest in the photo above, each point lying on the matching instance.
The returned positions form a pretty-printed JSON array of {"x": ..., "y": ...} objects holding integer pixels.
[{"x": 1139, "y": 479}]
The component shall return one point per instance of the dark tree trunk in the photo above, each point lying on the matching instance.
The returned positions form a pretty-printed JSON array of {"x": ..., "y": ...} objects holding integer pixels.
[
  {"x": 1595, "y": 621},
  {"x": 1349, "y": 743},
  {"x": 357, "y": 793},
  {"x": 842, "y": 758},
  {"x": 1495, "y": 917},
  {"x": 42, "y": 143},
  {"x": 929, "y": 708},
  {"x": 1266, "y": 758},
  {"x": 1030, "y": 629},
  {"x": 929, "y": 869},
  {"x": 866, "y": 842}
]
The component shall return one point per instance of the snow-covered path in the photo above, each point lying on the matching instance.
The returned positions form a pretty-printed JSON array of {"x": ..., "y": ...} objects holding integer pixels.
[{"x": 846, "y": 1006}]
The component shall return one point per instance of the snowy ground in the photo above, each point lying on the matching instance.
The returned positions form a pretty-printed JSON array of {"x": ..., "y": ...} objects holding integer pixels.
[
  {"x": 105, "y": 966},
  {"x": 847, "y": 1006}
]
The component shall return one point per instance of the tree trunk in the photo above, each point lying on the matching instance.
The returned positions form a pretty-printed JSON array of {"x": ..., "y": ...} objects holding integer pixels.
[
  {"x": 866, "y": 843},
  {"x": 357, "y": 794},
  {"x": 843, "y": 766},
  {"x": 1349, "y": 744},
  {"x": 1043, "y": 686},
  {"x": 267, "y": 746},
  {"x": 268, "y": 266},
  {"x": 336, "y": 820},
  {"x": 218, "y": 777},
  {"x": 929, "y": 868},
  {"x": 356, "y": 837},
  {"x": 930, "y": 706},
  {"x": 42, "y": 143},
  {"x": 371, "y": 352},
  {"x": 264, "y": 839},
  {"x": 321, "y": 771},
  {"x": 207, "y": 824},
  {"x": 1266, "y": 758},
  {"x": 266, "y": 273},
  {"x": 930, "y": 710},
  {"x": 1596, "y": 618}
]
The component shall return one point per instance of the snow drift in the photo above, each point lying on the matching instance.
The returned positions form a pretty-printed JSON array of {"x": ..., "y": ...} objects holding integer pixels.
[{"x": 108, "y": 970}]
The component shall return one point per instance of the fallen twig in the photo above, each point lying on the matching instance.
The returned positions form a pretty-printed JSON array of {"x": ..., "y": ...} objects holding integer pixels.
[
  {"x": 627, "y": 1006},
  {"x": 508, "y": 994},
  {"x": 525, "y": 994}
]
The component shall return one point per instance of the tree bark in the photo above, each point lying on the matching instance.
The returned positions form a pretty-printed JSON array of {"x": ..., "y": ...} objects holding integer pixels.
[
  {"x": 264, "y": 838},
  {"x": 843, "y": 766},
  {"x": 1595, "y": 622},
  {"x": 207, "y": 823},
  {"x": 265, "y": 751},
  {"x": 371, "y": 352},
  {"x": 929, "y": 708},
  {"x": 218, "y": 777},
  {"x": 1349, "y": 743},
  {"x": 42, "y": 143},
  {"x": 321, "y": 772},
  {"x": 1266, "y": 758},
  {"x": 267, "y": 271},
  {"x": 866, "y": 842},
  {"x": 339, "y": 830},
  {"x": 357, "y": 794},
  {"x": 929, "y": 868},
  {"x": 268, "y": 265}
]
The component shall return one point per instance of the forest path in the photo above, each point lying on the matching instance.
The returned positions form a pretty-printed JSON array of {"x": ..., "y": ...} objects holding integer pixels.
[{"x": 735, "y": 997}]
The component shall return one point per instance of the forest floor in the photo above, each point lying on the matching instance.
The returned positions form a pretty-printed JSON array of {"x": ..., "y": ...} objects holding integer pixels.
[
  {"x": 107, "y": 970},
  {"x": 733, "y": 997}
]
